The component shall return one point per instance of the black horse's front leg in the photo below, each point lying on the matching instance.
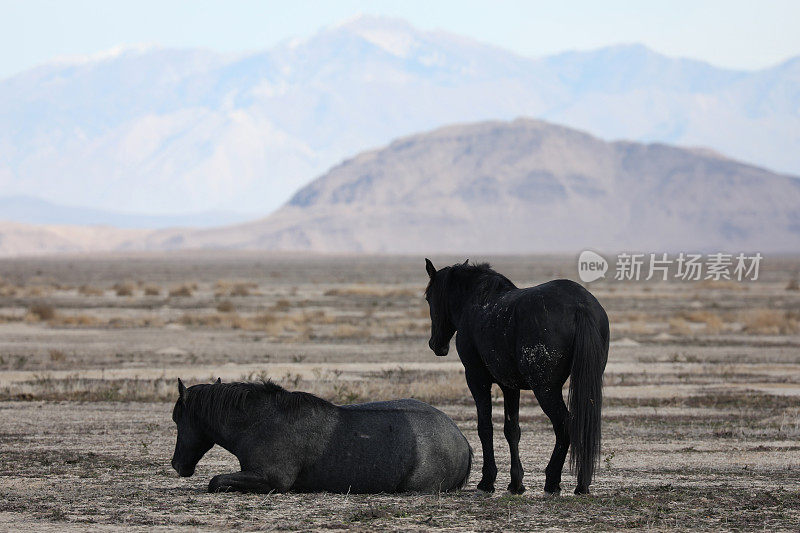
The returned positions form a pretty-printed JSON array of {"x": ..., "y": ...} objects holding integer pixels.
[
  {"x": 241, "y": 482},
  {"x": 481, "y": 388},
  {"x": 512, "y": 433}
]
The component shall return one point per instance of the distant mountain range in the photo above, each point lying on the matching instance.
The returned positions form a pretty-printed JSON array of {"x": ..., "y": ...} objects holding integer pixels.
[
  {"x": 179, "y": 131},
  {"x": 512, "y": 187},
  {"x": 30, "y": 210}
]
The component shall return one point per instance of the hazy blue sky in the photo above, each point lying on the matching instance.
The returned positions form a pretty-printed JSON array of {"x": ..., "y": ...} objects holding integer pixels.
[{"x": 746, "y": 34}]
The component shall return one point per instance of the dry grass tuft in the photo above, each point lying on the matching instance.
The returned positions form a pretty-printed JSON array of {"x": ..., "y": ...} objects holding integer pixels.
[
  {"x": 123, "y": 289},
  {"x": 181, "y": 291},
  {"x": 235, "y": 289},
  {"x": 75, "y": 388},
  {"x": 240, "y": 289},
  {"x": 793, "y": 285},
  {"x": 88, "y": 290},
  {"x": 679, "y": 326},
  {"x": 226, "y": 306},
  {"x": 57, "y": 355},
  {"x": 770, "y": 322},
  {"x": 714, "y": 324},
  {"x": 84, "y": 321},
  {"x": 35, "y": 291},
  {"x": 282, "y": 304},
  {"x": 152, "y": 290},
  {"x": 375, "y": 291},
  {"x": 349, "y": 331},
  {"x": 42, "y": 312},
  {"x": 8, "y": 291}
]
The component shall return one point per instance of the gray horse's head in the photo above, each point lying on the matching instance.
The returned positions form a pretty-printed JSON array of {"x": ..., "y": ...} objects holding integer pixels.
[
  {"x": 442, "y": 327},
  {"x": 192, "y": 442}
]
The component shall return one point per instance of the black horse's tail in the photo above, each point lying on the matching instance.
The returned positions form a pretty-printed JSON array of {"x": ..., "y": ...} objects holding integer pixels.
[{"x": 589, "y": 355}]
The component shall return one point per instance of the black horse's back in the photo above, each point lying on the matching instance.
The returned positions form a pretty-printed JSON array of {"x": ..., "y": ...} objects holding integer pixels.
[{"x": 547, "y": 320}]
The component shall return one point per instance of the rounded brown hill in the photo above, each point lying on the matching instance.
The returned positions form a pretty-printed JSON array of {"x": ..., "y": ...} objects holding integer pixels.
[{"x": 525, "y": 186}]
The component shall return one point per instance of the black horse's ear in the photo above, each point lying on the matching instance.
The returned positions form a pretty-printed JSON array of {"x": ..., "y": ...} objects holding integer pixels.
[
  {"x": 430, "y": 268},
  {"x": 219, "y": 380},
  {"x": 466, "y": 263},
  {"x": 181, "y": 391}
]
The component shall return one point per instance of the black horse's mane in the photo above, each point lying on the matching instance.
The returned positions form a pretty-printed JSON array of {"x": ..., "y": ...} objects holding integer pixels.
[
  {"x": 213, "y": 402},
  {"x": 481, "y": 279}
]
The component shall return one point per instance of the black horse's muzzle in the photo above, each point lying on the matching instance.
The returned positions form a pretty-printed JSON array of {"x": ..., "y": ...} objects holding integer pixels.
[
  {"x": 439, "y": 351},
  {"x": 182, "y": 471}
]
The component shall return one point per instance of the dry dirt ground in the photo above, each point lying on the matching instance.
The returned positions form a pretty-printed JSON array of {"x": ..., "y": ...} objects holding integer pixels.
[{"x": 701, "y": 417}]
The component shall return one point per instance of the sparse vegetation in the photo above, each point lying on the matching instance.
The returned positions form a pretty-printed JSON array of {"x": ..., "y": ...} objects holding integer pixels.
[
  {"x": 181, "y": 291},
  {"x": 770, "y": 322},
  {"x": 152, "y": 290},
  {"x": 42, "y": 311},
  {"x": 235, "y": 289},
  {"x": 123, "y": 289},
  {"x": 226, "y": 306},
  {"x": 89, "y": 290},
  {"x": 375, "y": 291},
  {"x": 679, "y": 326},
  {"x": 712, "y": 320},
  {"x": 694, "y": 425}
]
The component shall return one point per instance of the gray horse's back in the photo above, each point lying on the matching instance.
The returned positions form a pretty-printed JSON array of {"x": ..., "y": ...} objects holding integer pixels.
[{"x": 395, "y": 446}]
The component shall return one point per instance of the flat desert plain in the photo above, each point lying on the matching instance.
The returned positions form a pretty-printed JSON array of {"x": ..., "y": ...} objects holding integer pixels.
[{"x": 701, "y": 426}]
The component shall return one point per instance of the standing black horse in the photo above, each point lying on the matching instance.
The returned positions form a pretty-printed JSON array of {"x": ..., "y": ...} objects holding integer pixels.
[
  {"x": 296, "y": 441},
  {"x": 531, "y": 339}
]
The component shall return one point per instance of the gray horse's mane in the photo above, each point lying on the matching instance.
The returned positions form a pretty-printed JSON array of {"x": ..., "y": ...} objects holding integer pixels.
[{"x": 214, "y": 402}]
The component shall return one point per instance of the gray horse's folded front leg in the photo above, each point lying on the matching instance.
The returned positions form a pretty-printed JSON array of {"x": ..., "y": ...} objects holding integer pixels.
[{"x": 240, "y": 482}]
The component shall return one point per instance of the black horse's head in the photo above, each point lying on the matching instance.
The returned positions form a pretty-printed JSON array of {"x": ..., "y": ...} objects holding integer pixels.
[
  {"x": 192, "y": 442},
  {"x": 442, "y": 327}
]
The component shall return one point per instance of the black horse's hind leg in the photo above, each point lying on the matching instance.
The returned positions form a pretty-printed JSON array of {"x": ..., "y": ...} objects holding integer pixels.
[
  {"x": 512, "y": 433},
  {"x": 480, "y": 385},
  {"x": 240, "y": 482},
  {"x": 552, "y": 403}
]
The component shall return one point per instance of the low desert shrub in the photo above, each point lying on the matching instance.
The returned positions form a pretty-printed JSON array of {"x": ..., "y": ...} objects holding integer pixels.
[
  {"x": 225, "y": 306},
  {"x": 42, "y": 311},
  {"x": 182, "y": 291},
  {"x": 123, "y": 289},
  {"x": 152, "y": 290},
  {"x": 89, "y": 290},
  {"x": 770, "y": 322}
]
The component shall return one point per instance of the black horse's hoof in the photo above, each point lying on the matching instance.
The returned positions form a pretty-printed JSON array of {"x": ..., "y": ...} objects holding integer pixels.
[
  {"x": 516, "y": 488},
  {"x": 552, "y": 493},
  {"x": 581, "y": 490},
  {"x": 485, "y": 486},
  {"x": 215, "y": 485},
  {"x": 552, "y": 490}
]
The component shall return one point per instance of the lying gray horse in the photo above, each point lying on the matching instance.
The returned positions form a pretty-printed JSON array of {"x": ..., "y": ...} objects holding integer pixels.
[{"x": 295, "y": 441}]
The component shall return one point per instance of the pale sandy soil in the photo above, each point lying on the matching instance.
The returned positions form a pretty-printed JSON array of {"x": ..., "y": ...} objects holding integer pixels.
[{"x": 701, "y": 427}]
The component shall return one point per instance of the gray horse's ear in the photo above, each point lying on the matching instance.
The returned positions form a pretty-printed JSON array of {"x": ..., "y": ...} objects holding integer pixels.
[
  {"x": 466, "y": 263},
  {"x": 219, "y": 380},
  {"x": 430, "y": 268},
  {"x": 181, "y": 391}
]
